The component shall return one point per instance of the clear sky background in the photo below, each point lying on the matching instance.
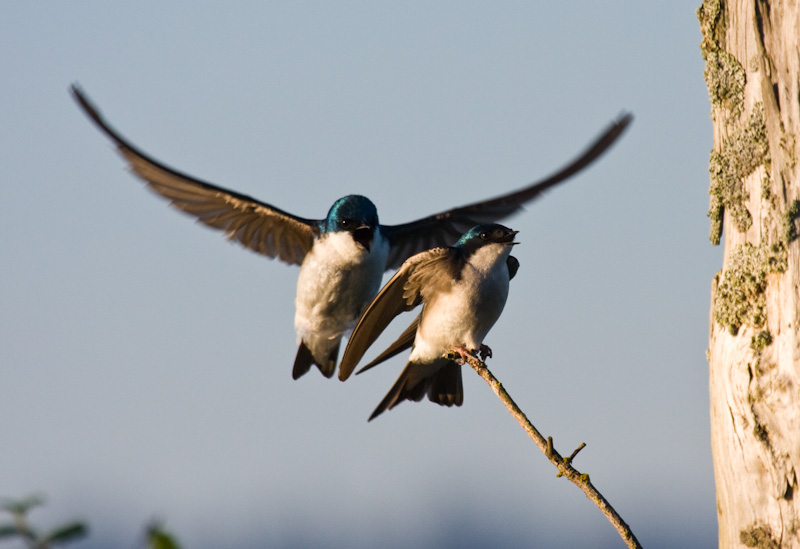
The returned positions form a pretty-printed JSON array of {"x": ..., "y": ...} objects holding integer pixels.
[{"x": 145, "y": 363}]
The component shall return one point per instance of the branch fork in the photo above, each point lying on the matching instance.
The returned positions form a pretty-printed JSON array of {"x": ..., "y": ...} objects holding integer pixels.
[{"x": 563, "y": 464}]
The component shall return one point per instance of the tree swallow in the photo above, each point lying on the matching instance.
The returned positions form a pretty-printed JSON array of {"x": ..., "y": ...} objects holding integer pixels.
[
  {"x": 463, "y": 290},
  {"x": 343, "y": 256}
]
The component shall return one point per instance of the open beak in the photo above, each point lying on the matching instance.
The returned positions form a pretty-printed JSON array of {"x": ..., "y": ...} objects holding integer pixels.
[
  {"x": 363, "y": 235},
  {"x": 509, "y": 238}
]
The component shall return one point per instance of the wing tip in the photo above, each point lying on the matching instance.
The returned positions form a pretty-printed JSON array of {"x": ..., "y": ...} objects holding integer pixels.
[
  {"x": 345, "y": 367},
  {"x": 623, "y": 120},
  {"x": 80, "y": 96}
]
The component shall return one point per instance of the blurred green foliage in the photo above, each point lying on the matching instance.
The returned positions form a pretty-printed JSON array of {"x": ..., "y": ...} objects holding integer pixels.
[
  {"x": 19, "y": 527},
  {"x": 34, "y": 538}
]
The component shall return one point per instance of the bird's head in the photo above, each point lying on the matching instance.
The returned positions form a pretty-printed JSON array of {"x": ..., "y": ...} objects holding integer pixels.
[
  {"x": 355, "y": 214},
  {"x": 483, "y": 235}
]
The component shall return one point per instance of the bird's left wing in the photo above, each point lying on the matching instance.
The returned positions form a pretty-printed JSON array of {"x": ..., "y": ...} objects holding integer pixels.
[
  {"x": 405, "y": 341},
  {"x": 419, "y": 274},
  {"x": 256, "y": 225},
  {"x": 445, "y": 228}
]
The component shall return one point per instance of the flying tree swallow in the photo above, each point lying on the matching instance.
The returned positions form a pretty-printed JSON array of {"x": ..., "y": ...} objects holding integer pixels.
[
  {"x": 342, "y": 257},
  {"x": 463, "y": 290}
]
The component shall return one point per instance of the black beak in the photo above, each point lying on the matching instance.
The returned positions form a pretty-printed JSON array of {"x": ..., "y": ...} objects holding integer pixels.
[
  {"x": 363, "y": 235},
  {"x": 509, "y": 238}
]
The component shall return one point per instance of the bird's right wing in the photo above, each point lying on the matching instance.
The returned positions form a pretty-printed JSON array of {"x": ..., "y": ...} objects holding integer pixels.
[
  {"x": 421, "y": 273},
  {"x": 256, "y": 225},
  {"x": 445, "y": 228}
]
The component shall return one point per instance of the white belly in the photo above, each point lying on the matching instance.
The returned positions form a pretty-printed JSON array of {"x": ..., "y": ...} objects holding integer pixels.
[
  {"x": 463, "y": 316},
  {"x": 337, "y": 280}
]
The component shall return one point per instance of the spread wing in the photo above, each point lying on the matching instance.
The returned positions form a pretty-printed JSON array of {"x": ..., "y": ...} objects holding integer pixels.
[
  {"x": 445, "y": 228},
  {"x": 422, "y": 273},
  {"x": 256, "y": 225}
]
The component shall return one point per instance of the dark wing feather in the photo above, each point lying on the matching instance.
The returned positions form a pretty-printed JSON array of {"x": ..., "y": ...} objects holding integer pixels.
[
  {"x": 513, "y": 266},
  {"x": 405, "y": 341},
  {"x": 403, "y": 292},
  {"x": 445, "y": 228},
  {"x": 444, "y": 387},
  {"x": 409, "y": 386},
  {"x": 256, "y": 225}
]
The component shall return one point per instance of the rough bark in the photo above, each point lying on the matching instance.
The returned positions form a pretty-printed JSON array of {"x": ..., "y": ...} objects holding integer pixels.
[{"x": 752, "y": 53}]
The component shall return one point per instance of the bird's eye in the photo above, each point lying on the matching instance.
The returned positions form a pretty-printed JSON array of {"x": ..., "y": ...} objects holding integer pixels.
[
  {"x": 484, "y": 235},
  {"x": 344, "y": 223}
]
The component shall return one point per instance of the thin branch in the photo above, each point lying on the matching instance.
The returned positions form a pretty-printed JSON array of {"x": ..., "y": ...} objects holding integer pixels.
[{"x": 564, "y": 465}]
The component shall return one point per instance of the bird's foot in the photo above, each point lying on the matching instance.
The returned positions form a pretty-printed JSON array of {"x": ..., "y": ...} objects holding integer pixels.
[
  {"x": 461, "y": 355},
  {"x": 484, "y": 352}
]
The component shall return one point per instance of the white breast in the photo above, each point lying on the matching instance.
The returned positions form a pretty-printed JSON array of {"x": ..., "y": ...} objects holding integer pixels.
[
  {"x": 464, "y": 315},
  {"x": 337, "y": 280}
]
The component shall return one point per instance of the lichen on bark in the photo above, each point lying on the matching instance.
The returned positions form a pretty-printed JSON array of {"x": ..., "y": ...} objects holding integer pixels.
[
  {"x": 758, "y": 536},
  {"x": 754, "y": 385},
  {"x": 724, "y": 75},
  {"x": 708, "y": 14},
  {"x": 740, "y": 299},
  {"x": 789, "y": 221},
  {"x": 725, "y": 79},
  {"x": 738, "y": 157}
]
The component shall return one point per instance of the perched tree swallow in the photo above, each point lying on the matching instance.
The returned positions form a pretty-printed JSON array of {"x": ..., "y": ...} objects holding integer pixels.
[
  {"x": 463, "y": 290},
  {"x": 342, "y": 257}
]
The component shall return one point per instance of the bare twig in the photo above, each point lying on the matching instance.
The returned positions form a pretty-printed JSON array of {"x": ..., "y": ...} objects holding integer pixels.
[{"x": 564, "y": 465}]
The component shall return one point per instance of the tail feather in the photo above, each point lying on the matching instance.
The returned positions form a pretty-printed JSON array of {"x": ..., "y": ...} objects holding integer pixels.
[
  {"x": 302, "y": 362},
  {"x": 446, "y": 387},
  {"x": 305, "y": 359},
  {"x": 329, "y": 366},
  {"x": 443, "y": 387},
  {"x": 405, "y": 388}
]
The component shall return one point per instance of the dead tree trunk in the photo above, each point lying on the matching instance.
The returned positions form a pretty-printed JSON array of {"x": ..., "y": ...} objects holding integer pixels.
[{"x": 752, "y": 53}]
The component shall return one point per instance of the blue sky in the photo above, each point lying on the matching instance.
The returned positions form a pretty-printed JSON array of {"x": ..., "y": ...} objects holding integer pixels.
[{"x": 146, "y": 362}]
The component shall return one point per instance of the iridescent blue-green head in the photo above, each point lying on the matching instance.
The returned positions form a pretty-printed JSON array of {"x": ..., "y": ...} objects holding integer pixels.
[
  {"x": 355, "y": 214},
  {"x": 481, "y": 235}
]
